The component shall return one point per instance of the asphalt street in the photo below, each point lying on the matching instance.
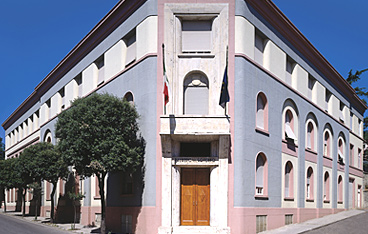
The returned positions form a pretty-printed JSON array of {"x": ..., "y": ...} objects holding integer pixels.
[
  {"x": 357, "y": 224},
  {"x": 14, "y": 225}
]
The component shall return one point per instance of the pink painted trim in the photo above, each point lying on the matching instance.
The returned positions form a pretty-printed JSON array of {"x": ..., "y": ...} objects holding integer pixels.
[
  {"x": 340, "y": 189},
  {"x": 327, "y": 161},
  {"x": 355, "y": 171},
  {"x": 289, "y": 151},
  {"x": 311, "y": 156},
  {"x": 340, "y": 167}
]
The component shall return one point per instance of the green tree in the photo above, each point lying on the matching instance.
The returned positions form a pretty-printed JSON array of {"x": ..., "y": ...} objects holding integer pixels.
[
  {"x": 45, "y": 163},
  {"x": 9, "y": 175},
  {"x": 98, "y": 135},
  {"x": 2, "y": 149}
]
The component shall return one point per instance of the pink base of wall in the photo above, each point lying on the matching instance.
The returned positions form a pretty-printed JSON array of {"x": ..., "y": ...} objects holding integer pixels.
[
  {"x": 144, "y": 219},
  {"x": 88, "y": 215},
  {"x": 243, "y": 220}
]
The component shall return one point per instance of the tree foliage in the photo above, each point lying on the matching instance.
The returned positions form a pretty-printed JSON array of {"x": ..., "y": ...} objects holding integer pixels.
[
  {"x": 99, "y": 134},
  {"x": 44, "y": 163},
  {"x": 2, "y": 149}
]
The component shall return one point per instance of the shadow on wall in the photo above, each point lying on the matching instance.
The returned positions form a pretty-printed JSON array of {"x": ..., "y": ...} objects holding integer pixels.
[
  {"x": 65, "y": 209},
  {"x": 124, "y": 199}
]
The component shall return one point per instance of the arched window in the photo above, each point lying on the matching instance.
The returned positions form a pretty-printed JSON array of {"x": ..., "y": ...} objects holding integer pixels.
[
  {"x": 196, "y": 94},
  {"x": 129, "y": 98},
  {"x": 326, "y": 187},
  {"x": 341, "y": 157},
  {"x": 48, "y": 137},
  {"x": 262, "y": 112},
  {"x": 326, "y": 144},
  {"x": 310, "y": 183},
  {"x": 310, "y": 136},
  {"x": 289, "y": 180},
  {"x": 261, "y": 174},
  {"x": 340, "y": 192},
  {"x": 289, "y": 126}
]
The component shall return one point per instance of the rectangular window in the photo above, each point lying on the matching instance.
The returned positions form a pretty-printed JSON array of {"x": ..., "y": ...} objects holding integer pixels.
[
  {"x": 131, "y": 52},
  {"x": 127, "y": 184},
  {"x": 261, "y": 223},
  {"x": 259, "y": 44},
  {"x": 342, "y": 115},
  {"x": 100, "y": 63},
  {"x": 351, "y": 155},
  {"x": 196, "y": 36},
  {"x": 359, "y": 158},
  {"x": 288, "y": 219},
  {"x": 290, "y": 64},
  {"x": 311, "y": 83},
  {"x": 327, "y": 99},
  {"x": 126, "y": 224},
  {"x": 78, "y": 80},
  {"x": 62, "y": 99},
  {"x": 195, "y": 149}
]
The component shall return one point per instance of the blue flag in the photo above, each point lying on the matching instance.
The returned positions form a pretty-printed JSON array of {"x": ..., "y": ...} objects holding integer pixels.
[{"x": 224, "y": 97}]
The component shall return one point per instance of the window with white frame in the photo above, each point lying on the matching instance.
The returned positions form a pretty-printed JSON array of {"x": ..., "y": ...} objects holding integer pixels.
[
  {"x": 311, "y": 83},
  {"x": 310, "y": 136},
  {"x": 340, "y": 191},
  {"x": 196, "y": 93},
  {"x": 196, "y": 36},
  {"x": 289, "y": 126},
  {"x": 261, "y": 172},
  {"x": 262, "y": 112},
  {"x": 326, "y": 187},
  {"x": 62, "y": 97},
  {"x": 340, "y": 155},
  {"x": 328, "y": 95},
  {"x": 342, "y": 112},
  {"x": 326, "y": 144},
  {"x": 79, "y": 81},
  {"x": 309, "y": 183},
  {"x": 351, "y": 155},
  {"x": 359, "y": 158},
  {"x": 289, "y": 180}
]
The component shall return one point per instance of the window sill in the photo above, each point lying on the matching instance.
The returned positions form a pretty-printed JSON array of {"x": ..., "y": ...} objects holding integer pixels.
[
  {"x": 326, "y": 201},
  {"x": 262, "y": 131},
  {"x": 327, "y": 157},
  {"x": 97, "y": 197},
  {"x": 311, "y": 151},
  {"x": 288, "y": 199},
  {"x": 196, "y": 55},
  {"x": 261, "y": 197},
  {"x": 339, "y": 202},
  {"x": 309, "y": 200}
]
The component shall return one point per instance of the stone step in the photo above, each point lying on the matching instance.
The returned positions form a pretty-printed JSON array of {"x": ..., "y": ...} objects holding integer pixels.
[{"x": 200, "y": 230}]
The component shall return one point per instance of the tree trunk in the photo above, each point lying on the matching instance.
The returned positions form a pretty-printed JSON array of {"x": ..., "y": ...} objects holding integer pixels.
[
  {"x": 54, "y": 184},
  {"x": 5, "y": 204},
  {"x": 101, "y": 185},
  {"x": 24, "y": 201},
  {"x": 36, "y": 208}
]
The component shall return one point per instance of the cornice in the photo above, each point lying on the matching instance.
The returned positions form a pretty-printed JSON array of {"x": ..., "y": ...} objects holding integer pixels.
[
  {"x": 119, "y": 13},
  {"x": 270, "y": 12}
]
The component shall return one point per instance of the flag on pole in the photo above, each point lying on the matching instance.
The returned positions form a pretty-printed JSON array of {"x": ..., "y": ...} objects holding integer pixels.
[
  {"x": 224, "y": 96},
  {"x": 166, "y": 90}
]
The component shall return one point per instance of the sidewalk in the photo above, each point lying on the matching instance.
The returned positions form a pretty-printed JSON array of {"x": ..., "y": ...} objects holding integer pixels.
[
  {"x": 79, "y": 228},
  {"x": 314, "y": 223}
]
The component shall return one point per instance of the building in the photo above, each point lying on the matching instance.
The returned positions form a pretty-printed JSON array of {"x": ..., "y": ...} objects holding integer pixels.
[{"x": 287, "y": 147}]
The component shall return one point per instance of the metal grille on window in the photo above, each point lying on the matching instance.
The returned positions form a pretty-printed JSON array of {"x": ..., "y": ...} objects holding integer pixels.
[
  {"x": 126, "y": 224},
  {"x": 288, "y": 219},
  {"x": 261, "y": 223}
]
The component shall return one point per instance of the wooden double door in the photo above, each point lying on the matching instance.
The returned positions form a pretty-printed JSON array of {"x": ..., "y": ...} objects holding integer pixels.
[{"x": 195, "y": 197}]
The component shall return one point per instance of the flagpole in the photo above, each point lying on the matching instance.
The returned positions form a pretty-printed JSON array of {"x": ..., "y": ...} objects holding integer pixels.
[
  {"x": 163, "y": 62},
  {"x": 227, "y": 51}
]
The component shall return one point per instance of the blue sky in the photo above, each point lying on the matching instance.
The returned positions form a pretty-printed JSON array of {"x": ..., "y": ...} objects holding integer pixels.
[{"x": 36, "y": 35}]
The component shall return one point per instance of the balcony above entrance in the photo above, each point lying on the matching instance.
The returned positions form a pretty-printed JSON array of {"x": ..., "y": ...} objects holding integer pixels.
[{"x": 195, "y": 124}]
